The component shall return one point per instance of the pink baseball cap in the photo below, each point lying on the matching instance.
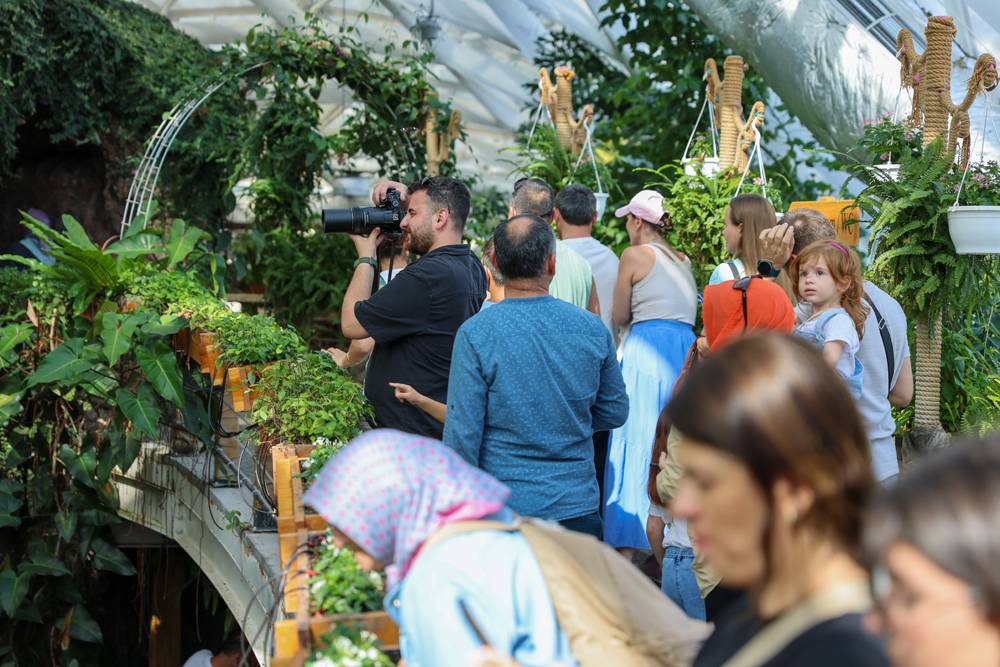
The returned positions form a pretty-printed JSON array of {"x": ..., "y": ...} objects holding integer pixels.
[{"x": 647, "y": 205}]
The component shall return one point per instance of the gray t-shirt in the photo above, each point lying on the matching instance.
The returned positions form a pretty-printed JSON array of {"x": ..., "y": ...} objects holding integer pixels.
[
  {"x": 875, "y": 385},
  {"x": 604, "y": 264}
]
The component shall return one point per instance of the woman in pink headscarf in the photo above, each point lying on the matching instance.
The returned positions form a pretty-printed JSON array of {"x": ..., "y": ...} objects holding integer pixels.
[{"x": 385, "y": 495}]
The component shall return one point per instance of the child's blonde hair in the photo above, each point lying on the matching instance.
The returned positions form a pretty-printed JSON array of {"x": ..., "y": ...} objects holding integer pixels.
[{"x": 845, "y": 266}]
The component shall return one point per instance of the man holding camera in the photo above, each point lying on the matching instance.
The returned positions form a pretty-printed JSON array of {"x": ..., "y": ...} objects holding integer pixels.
[{"x": 413, "y": 319}]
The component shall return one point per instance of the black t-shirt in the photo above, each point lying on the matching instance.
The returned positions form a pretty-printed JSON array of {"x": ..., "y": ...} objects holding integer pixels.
[
  {"x": 838, "y": 642},
  {"x": 413, "y": 320}
]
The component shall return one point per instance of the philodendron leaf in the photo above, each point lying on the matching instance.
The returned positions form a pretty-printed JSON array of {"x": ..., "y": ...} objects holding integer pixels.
[
  {"x": 66, "y": 524},
  {"x": 116, "y": 332},
  {"x": 141, "y": 408},
  {"x": 66, "y": 363},
  {"x": 82, "y": 625},
  {"x": 108, "y": 557},
  {"x": 160, "y": 366},
  {"x": 45, "y": 565},
  {"x": 182, "y": 241},
  {"x": 81, "y": 466},
  {"x": 13, "y": 589}
]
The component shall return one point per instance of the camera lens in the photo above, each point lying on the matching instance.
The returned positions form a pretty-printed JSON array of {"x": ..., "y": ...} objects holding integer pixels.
[{"x": 345, "y": 220}]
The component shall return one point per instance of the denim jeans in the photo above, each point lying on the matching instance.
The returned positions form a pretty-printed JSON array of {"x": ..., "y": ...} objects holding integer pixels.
[{"x": 679, "y": 583}]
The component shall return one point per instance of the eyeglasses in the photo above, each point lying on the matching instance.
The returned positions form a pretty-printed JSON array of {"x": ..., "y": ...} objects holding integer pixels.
[{"x": 889, "y": 594}]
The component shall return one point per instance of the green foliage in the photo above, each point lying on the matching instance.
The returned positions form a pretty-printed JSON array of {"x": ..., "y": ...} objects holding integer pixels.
[
  {"x": 253, "y": 340},
  {"x": 697, "y": 207},
  {"x": 915, "y": 255},
  {"x": 982, "y": 185},
  {"x": 305, "y": 273},
  {"x": 77, "y": 396},
  {"x": 338, "y": 585},
  {"x": 345, "y": 645},
  {"x": 645, "y": 115},
  {"x": 102, "y": 73},
  {"x": 308, "y": 397},
  {"x": 322, "y": 452}
]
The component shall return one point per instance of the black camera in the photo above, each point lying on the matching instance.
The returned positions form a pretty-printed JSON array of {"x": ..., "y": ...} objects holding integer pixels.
[{"x": 359, "y": 220}]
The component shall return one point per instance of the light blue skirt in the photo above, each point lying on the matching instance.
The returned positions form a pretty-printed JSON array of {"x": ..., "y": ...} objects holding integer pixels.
[{"x": 652, "y": 357}]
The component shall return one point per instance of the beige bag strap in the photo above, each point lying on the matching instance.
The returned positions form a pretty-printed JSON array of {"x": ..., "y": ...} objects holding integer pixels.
[
  {"x": 459, "y": 527},
  {"x": 846, "y": 599}
]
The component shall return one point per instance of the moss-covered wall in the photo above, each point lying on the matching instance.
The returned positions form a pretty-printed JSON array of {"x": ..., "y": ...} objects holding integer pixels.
[{"x": 83, "y": 83}]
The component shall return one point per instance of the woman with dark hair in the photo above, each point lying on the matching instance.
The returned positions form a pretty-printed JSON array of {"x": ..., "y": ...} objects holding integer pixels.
[
  {"x": 933, "y": 541},
  {"x": 776, "y": 477}
]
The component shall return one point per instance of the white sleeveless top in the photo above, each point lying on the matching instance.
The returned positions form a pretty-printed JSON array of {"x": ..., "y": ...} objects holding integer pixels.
[{"x": 668, "y": 291}]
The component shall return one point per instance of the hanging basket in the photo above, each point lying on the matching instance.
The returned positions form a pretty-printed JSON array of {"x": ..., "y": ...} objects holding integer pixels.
[
  {"x": 975, "y": 230},
  {"x": 707, "y": 166},
  {"x": 888, "y": 170},
  {"x": 602, "y": 203}
]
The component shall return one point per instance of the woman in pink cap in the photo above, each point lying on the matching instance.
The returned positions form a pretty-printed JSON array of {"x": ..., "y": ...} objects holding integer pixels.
[{"x": 656, "y": 298}]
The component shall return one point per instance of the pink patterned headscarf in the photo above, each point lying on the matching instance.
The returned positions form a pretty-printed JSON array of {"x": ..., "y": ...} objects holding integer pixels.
[{"x": 389, "y": 491}]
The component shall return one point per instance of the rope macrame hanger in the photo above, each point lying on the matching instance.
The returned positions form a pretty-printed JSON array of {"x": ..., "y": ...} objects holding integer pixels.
[
  {"x": 538, "y": 116},
  {"x": 756, "y": 150},
  {"x": 695, "y": 130},
  {"x": 982, "y": 146},
  {"x": 588, "y": 149}
]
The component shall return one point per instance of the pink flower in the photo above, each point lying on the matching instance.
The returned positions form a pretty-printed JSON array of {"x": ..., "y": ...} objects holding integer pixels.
[
  {"x": 916, "y": 78},
  {"x": 758, "y": 180},
  {"x": 884, "y": 157}
]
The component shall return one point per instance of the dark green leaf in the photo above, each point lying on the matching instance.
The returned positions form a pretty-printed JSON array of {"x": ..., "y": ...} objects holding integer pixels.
[
  {"x": 81, "y": 466},
  {"x": 182, "y": 241},
  {"x": 13, "y": 589},
  {"x": 44, "y": 565},
  {"x": 82, "y": 626},
  {"x": 160, "y": 367},
  {"x": 140, "y": 244},
  {"x": 66, "y": 524},
  {"x": 116, "y": 332},
  {"x": 141, "y": 409},
  {"x": 66, "y": 363},
  {"x": 108, "y": 557}
]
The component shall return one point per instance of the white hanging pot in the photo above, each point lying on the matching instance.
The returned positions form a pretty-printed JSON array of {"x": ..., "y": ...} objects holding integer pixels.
[
  {"x": 708, "y": 166},
  {"x": 602, "y": 203},
  {"x": 975, "y": 230},
  {"x": 889, "y": 170}
]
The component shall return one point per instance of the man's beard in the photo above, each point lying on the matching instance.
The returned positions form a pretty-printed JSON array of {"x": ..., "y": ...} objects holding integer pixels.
[{"x": 419, "y": 242}]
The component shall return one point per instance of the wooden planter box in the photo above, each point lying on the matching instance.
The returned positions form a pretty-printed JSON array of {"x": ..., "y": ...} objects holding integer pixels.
[
  {"x": 294, "y": 637},
  {"x": 240, "y": 383}
]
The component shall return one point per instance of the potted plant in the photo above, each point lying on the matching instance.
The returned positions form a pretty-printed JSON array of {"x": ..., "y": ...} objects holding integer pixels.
[
  {"x": 348, "y": 646},
  {"x": 884, "y": 143},
  {"x": 974, "y": 220}
]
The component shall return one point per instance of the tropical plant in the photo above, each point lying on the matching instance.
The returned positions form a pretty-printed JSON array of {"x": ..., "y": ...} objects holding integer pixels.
[
  {"x": 308, "y": 397},
  {"x": 338, "y": 585},
  {"x": 348, "y": 646},
  {"x": 697, "y": 207},
  {"x": 77, "y": 398}
]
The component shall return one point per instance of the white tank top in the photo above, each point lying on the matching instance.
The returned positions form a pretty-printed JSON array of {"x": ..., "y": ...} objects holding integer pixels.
[{"x": 668, "y": 291}]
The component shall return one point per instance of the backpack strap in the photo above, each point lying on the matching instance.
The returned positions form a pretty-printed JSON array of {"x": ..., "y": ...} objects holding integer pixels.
[
  {"x": 845, "y": 599},
  {"x": 883, "y": 330},
  {"x": 459, "y": 527},
  {"x": 733, "y": 269}
]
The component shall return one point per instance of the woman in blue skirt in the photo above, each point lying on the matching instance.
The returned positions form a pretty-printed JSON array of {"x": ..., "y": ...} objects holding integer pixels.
[{"x": 656, "y": 298}]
